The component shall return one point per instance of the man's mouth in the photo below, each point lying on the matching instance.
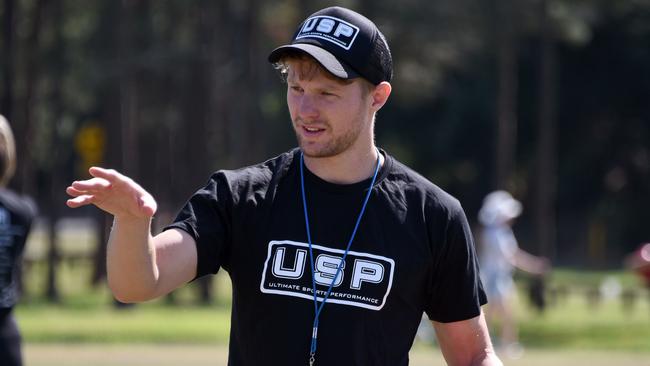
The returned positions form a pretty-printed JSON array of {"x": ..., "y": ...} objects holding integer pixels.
[{"x": 312, "y": 131}]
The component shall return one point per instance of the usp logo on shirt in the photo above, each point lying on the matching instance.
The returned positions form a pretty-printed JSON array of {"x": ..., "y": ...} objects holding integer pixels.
[{"x": 365, "y": 280}]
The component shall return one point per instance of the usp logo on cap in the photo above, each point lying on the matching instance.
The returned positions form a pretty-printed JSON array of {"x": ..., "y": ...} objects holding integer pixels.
[
  {"x": 346, "y": 43},
  {"x": 330, "y": 29}
]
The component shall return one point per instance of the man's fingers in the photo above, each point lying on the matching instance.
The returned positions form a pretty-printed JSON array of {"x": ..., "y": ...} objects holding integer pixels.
[
  {"x": 114, "y": 178},
  {"x": 79, "y": 201},
  {"x": 74, "y": 192},
  {"x": 112, "y": 192},
  {"x": 110, "y": 175},
  {"x": 92, "y": 184}
]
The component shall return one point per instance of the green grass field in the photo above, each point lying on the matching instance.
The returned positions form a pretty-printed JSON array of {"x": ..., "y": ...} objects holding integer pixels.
[
  {"x": 86, "y": 329},
  {"x": 570, "y": 325},
  {"x": 86, "y": 315}
]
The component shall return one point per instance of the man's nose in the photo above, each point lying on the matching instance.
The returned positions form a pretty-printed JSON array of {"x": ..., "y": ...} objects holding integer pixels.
[{"x": 308, "y": 108}]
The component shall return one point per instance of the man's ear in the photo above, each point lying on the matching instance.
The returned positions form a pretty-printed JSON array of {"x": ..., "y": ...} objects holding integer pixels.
[{"x": 380, "y": 95}]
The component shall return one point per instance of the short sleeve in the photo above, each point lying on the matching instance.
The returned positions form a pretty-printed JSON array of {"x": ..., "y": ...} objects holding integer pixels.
[
  {"x": 456, "y": 291},
  {"x": 206, "y": 217}
]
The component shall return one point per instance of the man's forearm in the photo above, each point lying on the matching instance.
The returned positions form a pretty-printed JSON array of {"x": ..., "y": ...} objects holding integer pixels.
[{"x": 131, "y": 260}]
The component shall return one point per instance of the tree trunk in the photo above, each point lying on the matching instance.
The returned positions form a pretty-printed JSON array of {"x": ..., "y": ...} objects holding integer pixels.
[
  {"x": 58, "y": 156},
  {"x": 24, "y": 171},
  {"x": 104, "y": 223},
  {"x": 24, "y": 121},
  {"x": 128, "y": 39},
  {"x": 8, "y": 49},
  {"x": 506, "y": 138},
  {"x": 109, "y": 116},
  {"x": 545, "y": 215},
  {"x": 251, "y": 107}
]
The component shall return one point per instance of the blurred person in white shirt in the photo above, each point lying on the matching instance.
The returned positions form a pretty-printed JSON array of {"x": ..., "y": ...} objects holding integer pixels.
[{"x": 499, "y": 256}]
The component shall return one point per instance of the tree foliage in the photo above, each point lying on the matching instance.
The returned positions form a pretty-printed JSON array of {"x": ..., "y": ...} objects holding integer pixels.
[{"x": 183, "y": 88}]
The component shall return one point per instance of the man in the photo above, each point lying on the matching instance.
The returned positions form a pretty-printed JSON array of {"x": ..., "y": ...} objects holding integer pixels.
[{"x": 334, "y": 249}]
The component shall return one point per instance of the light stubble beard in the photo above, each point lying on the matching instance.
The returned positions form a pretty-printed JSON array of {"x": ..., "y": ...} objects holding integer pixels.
[{"x": 334, "y": 147}]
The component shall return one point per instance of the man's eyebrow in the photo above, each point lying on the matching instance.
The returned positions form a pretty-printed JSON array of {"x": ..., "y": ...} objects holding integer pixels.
[
  {"x": 332, "y": 85},
  {"x": 325, "y": 85}
]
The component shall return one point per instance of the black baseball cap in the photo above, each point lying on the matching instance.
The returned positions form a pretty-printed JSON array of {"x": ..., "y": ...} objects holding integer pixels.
[{"x": 345, "y": 42}]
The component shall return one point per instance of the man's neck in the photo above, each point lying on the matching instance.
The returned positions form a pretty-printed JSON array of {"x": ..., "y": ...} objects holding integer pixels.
[{"x": 346, "y": 168}]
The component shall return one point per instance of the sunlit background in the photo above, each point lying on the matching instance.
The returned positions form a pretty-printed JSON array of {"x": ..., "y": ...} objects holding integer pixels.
[{"x": 546, "y": 99}]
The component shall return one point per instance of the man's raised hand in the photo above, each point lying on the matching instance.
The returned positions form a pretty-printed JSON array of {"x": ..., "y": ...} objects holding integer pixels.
[{"x": 112, "y": 192}]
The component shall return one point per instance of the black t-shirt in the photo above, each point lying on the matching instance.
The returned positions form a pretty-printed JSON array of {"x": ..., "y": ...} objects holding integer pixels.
[
  {"x": 413, "y": 252},
  {"x": 16, "y": 215}
]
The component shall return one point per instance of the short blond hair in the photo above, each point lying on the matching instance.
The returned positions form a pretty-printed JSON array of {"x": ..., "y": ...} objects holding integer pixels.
[
  {"x": 309, "y": 68},
  {"x": 7, "y": 152}
]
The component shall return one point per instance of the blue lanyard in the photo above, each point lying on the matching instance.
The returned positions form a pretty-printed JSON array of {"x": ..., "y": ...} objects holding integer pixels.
[{"x": 317, "y": 308}]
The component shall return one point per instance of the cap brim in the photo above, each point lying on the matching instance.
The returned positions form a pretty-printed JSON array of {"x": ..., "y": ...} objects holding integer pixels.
[{"x": 329, "y": 62}]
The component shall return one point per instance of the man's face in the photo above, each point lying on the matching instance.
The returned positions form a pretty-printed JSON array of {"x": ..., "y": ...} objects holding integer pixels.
[{"x": 328, "y": 116}]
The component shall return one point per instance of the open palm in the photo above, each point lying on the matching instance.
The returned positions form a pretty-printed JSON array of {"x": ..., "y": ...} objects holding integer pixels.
[{"x": 112, "y": 192}]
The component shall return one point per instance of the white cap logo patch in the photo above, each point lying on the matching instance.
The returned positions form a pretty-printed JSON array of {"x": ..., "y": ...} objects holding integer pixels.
[{"x": 331, "y": 29}]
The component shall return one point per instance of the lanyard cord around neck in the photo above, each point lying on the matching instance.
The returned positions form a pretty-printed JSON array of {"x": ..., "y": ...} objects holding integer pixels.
[{"x": 317, "y": 308}]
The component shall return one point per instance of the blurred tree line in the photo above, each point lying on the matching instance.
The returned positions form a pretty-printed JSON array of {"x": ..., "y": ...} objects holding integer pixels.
[{"x": 545, "y": 98}]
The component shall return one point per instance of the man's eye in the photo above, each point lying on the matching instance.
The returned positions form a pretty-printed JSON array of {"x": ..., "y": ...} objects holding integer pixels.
[{"x": 296, "y": 89}]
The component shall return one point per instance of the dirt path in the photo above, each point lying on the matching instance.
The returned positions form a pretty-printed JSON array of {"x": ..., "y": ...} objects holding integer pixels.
[{"x": 204, "y": 355}]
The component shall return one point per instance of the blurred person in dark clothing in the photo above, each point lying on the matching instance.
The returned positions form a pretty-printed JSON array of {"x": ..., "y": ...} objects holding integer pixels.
[{"x": 16, "y": 215}]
